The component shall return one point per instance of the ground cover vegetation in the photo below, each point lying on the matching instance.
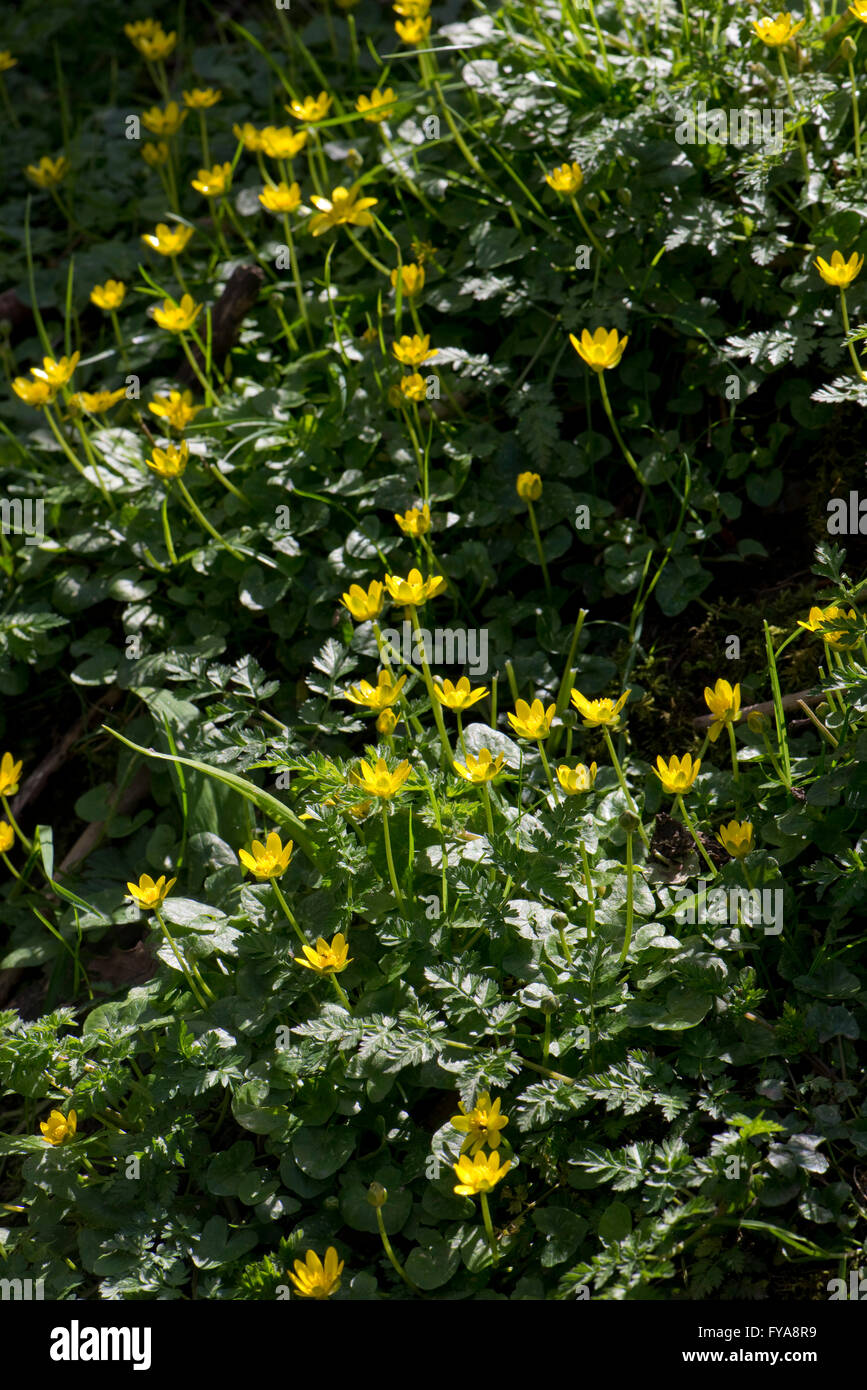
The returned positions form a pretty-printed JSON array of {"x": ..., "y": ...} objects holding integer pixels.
[{"x": 432, "y": 650}]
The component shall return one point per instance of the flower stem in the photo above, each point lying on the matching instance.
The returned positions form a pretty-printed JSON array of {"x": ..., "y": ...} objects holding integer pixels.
[
  {"x": 539, "y": 551},
  {"x": 288, "y": 913},
  {"x": 390, "y": 858},
  {"x": 437, "y": 711},
  {"x": 630, "y": 899},
  {"x": 486, "y": 1217},
  {"x": 694, "y": 833},
  {"x": 167, "y": 534},
  {"x": 394, "y": 1261},
  {"x": 617, "y": 435},
  {"x": 801, "y": 142},
  {"x": 180, "y": 960},
  {"x": 28, "y": 844},
  {"x": 203, "y": 521},
  {"x": 862, "y": 375},
  {"x": 547, "y": 767},
  {"x": 623, "y": 787}
]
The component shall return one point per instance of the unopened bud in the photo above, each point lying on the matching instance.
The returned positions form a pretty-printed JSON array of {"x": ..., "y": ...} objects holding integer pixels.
[
  {"x": 624, "y": 197},
  {"x": 559, "y": 921},
  {"x": 629, "y": 822},
  {"x": 377, "y": 1195},
  {"x": 847, "y": 49},
  {"x": 386, "y": 722},
  {"x": 758, "y": 723}
]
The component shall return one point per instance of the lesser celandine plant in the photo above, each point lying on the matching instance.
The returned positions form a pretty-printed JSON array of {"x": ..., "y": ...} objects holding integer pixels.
[{"x": 558, "y": 392}]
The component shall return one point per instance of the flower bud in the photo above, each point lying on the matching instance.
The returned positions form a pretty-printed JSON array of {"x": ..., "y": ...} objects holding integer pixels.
[
  {"x": 624, "y": 197},
  {"x": 847, "y": 49},
  {"x": 529, "y": 487},
  {"x": 559, "y": 921},
  {"x": 758, "y": 723},
  {"x": 386, "y": 722},
  {"x": 377, "y": 1195},
  {"x": 629, "y": 822}
]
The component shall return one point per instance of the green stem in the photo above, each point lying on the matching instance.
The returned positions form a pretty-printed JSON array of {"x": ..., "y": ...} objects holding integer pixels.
[
  {"x": 210, "y": 398},
  {"x": 437, "y": 711},
  {"x": 395, "y": 1262},
  {"x": 287, "y": 911},
  {"x": 539, "y": 551},
  {"x": 489, "y": 1228},
  {"x": 617, "y": 435},
  {"x": 623, "y": 787},
  {"x": 801, "y": 142},
  {"x": 862, "y": 375},
  {"x": 630, "y": 899},
  {"x": 856, "y": 120},
  {"x": 390, "y": 858},
  {"x": 547, "y": 767},
  {"x": 28, "y": 844},
  {"x": 203, "y": 521},
  {"x": 167, "y": 534},
  {"x": 180, "y": 960},
  {"x": 694, "y": 833},
  {"x": 591, "y": 892}
]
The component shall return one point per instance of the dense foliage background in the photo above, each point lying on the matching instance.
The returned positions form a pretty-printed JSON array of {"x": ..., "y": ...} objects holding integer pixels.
[{"x": 685, "y": 1103}]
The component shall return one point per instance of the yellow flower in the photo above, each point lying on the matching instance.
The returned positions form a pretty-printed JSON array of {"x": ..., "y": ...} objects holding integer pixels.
[
  {"x": 601, "y": 352},
  {"x": 312, "y": 1279},
  {"x": 379, "y": 781},
  {"x": 460, "y": 696},
  {"x": 596, "y": 713},
  {"x": 776, "y": 32},
  {"x": 412, "y": 9},
  {"x": 481, "y": 1125},
  {"x": 35, "y": 393},
  {"x": 532, "y": 721},
  {"x": 59, "y": 1127},
  {"x": 311, "y": 109},
  {"x": 737, "y": 838},
  {"x": 724, "y": 703},
  {"x": 167, "y": 122},
  {"x": 6, "y": 60},
  {"x": 364, "y": 606},
  {"x": 169, "y": 462},
  {"x": 177, "y": 408},
  {"x": 10, "y": 774},
  {"x": 213, "y": 182},
  {"x": 413, "y": 387},
  {"x": 412, "y": 351},
  {"x": 413, "y": 30},
  {"x": 859, "y": 10},
  {"x": 377, "y": 697},
  {"x": 567, "y": 178},
  {"x": 325, "y": 959},
  {"x": 7, "y": 837},
  {"x": 415, "y": 521},
  {"x": 177, "y": 318},
  {"x": 56, "y": 373},
  {"x": 344, "y": 206},
  {"x": 386, "y": 722},
  {"x": 411, "y": 279},
  {"x": 577, "y": 779},
  {"x": 158, "y": 46},
  {"x": 202, "y": 97},
  {"x": 479, "y": 1174},
  {"x": 108, "y": 296},
  {"x": 281, "y": 142},
  {"x": 270, "y": 860},
  {"x": 142, "y": 28},
  {"x": 169, "y": 241},
  {"x": 149, "y": 894},
  {"x": 484, "y": 768},
  {"x": 678, "y": 775},
  {"x": 154, "y": 152},
  {"x": 48, "y": 173},
  {"x": 285, "y": 197},
  {"x": 529, "y": 486},
  {"x": 414, "y": 590},
  {"x": 377, "y": 106},
  {"x": 841, "y": 640},
  {"x": 839, "y": 272},
  {"x": 97, "y": 402},
  {"x": 249, "y": 136}
]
